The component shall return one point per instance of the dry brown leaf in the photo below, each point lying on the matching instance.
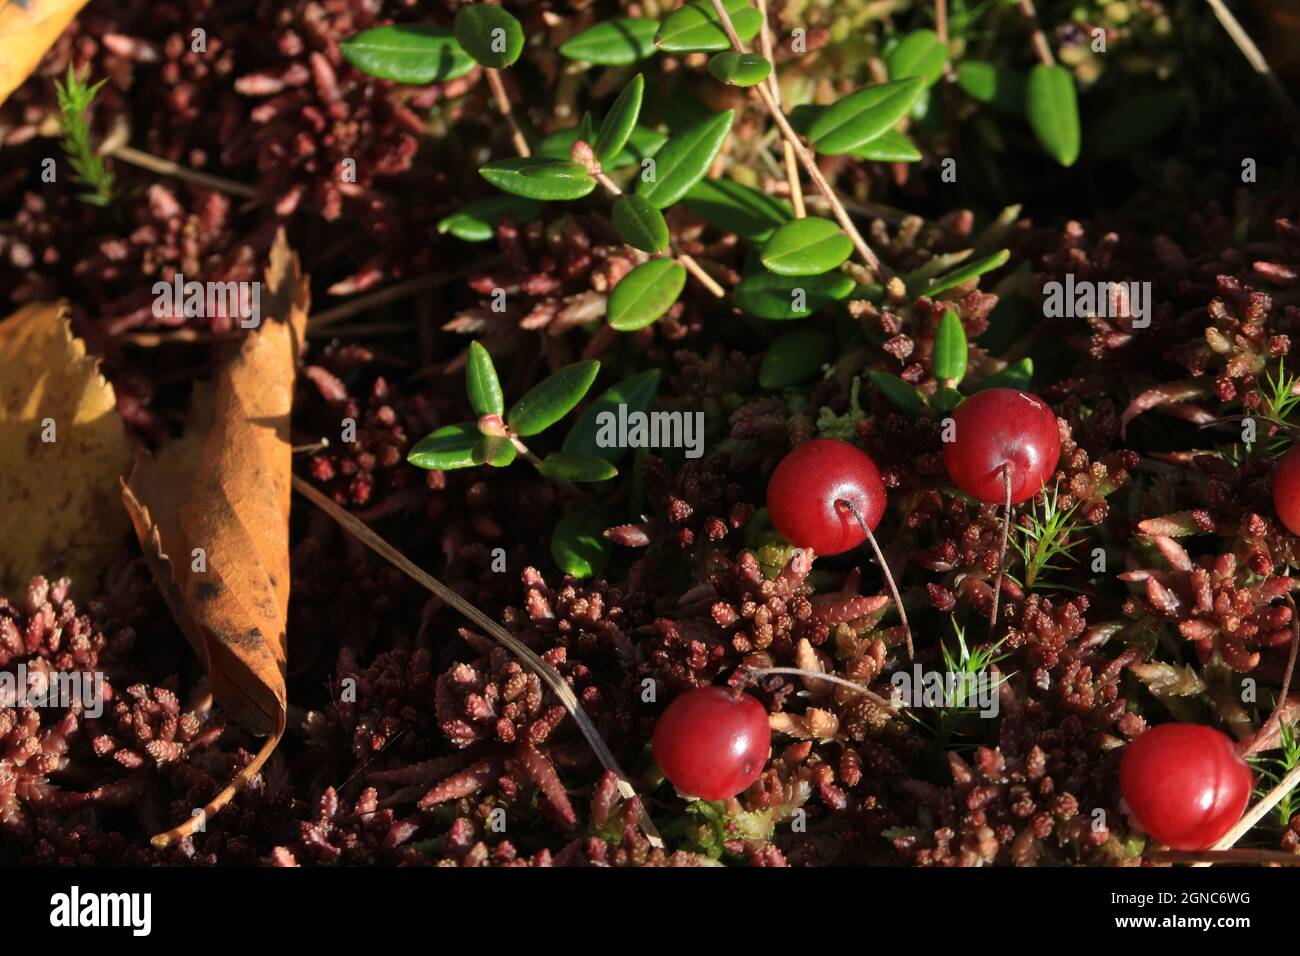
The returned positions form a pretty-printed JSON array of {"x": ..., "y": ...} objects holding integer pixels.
[
  {"x": 212, "y": 514},
  {"x": 27, "y": 30},
  {"x": 60, "y": 509}
]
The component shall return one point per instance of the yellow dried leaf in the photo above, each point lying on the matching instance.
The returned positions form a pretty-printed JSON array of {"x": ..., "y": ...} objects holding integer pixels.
[
  {"x": 63, "y": 449},
  {"x": 27, "y": 30}
]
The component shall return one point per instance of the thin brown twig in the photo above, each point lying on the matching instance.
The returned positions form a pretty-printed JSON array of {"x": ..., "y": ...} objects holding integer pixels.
[
  {"x": 503, "y": 104},
  {"x": 1255, "y": 58},
  {"x": 394, "y": 292},
  {"x": 806, "y": 158},
  {"x": 551, "y": 677},
  {"x": 791, "y": 162},
  {"x": 1042, "y": 49},
  {"x": 832, "y": 678},
  {"x": 1246, "y": 857},
  {"x": 1257, "y": 812},
  {"x": 166, "y": 167},
  {"x": 941, "y": 21},
  {"x": 1290, "y": 662}
]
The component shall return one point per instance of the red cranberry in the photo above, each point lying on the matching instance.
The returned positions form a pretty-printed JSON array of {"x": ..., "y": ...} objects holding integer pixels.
[
  {"x": 807, "y": 493},
  {"x": 997, "y": 427},
  {"x": 1286, "y": 489},
  {"x": 712, "y": 742},
  {"x": 1185, "y": 784}
]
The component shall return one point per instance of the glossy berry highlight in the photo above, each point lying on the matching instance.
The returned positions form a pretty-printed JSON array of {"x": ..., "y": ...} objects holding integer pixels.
[
  {"x": 1286, "y": 489},
  {"x": 808, "y": 491},
  {"x": 999, "y": 427},
  {"x": 712, "y": 742},
  {"x": 1185, "y": 784}
]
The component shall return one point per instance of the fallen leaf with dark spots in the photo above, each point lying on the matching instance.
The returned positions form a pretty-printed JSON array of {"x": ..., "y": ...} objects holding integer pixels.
[{"x": 212, "y": 514}]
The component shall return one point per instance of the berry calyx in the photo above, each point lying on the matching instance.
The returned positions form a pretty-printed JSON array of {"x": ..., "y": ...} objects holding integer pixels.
[
  {"x": 814, "y": 491},
  {"x": 1185, "y": 784},
  {"x": 712, "y": 742},
  {"x": 1286, "y": 489},
  {"x": 1002, "y": 428}
]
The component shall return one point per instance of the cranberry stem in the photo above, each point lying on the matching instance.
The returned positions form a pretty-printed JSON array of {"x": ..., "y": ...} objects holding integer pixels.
[
  {"x": 1257, "y": 812},
  {"x": 832, "y": 678},
  {"x": 884, "y": 567},
  {"x": 1259, "y": 740},
  {"x": 1002, "y": 548}
]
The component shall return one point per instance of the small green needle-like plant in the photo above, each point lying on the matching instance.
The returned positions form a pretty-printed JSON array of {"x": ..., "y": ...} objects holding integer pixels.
[
  {"x": 1046, "y": 538},
  {"x": 1272, "y": 769},
  {"x": 75, "y": 99}
]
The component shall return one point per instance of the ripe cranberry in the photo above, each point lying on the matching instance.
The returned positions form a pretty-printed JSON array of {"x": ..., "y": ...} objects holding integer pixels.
[
  {"x": 712, "y": 742},
  {"x": 1185, "y": 784},
  {"x": 1286, "y": 489},
  {"x": 807, "y": 493},
  {"x": 997, "y": 427}
]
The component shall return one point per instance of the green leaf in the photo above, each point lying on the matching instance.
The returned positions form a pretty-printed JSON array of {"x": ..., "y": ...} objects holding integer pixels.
[
  {"x": 489, "y": 34},
  {"x": 408, "y": 53},
  {"x": 1053, "y": 110},
  {"x": 619, "y": 121},
  {"x": 613, "y": 42},
  {"x": 805, "y": 247},
  {"x": 946, "y": 399},
  {"x": 695, "y": 28},
  {"x": 862, "y": 116},
  {"x": 964, "y": 273},
  {"x": 770, "y": 296},
  {"x": 552, "y": 398},
  {"x": 918, "y": 54},
  {"x": 644, "y": 142},
  {"x": 990, "y": 84},
  {"x": 684, "y": 161},
  {"x": 1135, "y": 122},
  {"x": 539, "y": 177},
  {"x": 897, "y": 391},
  {"x": 578, "y": 545},
  {"x": 739, "y": 69},
  {"x": 495, "y": 450},
  {"x": 635, "y": 394},
  {"x": 950, "y": 350},
  {"x": 891, "y": 146},
  {"x": 586, "y": 131},
  {"x": 640, "y": 224},
  {"x": 748, "y": 212},
  {"x": 450, "y": 447},
  {"x": 477, "y": 221},
  {"x": 794, "y": 357},
  {"x": 1016, "y": 375},
  {"x": 481, "y": 382},
  {"x": 644, "y": 294},
  {"x": 572, "y": 466}
]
